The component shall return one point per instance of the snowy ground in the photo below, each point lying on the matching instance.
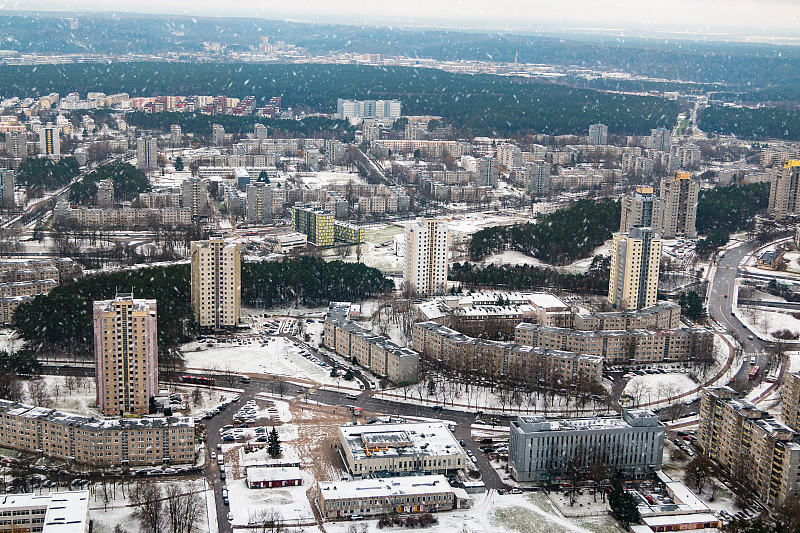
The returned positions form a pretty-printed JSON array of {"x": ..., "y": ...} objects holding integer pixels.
[
  {"x": 119, "y": 511},
  {"x": 656, "y": 387},
  {"x": 278, "y": 356},
  {"x": 765, "y": 323},
  {"x": 510, "y": 257}
]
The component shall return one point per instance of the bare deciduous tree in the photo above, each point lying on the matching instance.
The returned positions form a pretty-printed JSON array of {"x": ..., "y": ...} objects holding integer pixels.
[{"x": 150, "y": 512}]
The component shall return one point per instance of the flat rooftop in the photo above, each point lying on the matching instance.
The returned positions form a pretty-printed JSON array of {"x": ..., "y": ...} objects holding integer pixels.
[
  {"x": 383, "y": 488},
  {"x": 400, "y": 440}
]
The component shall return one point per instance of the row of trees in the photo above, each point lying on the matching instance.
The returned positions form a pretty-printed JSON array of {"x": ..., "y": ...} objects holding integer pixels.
[
  {"x": 128, "y": 181},
  {"x": 558, "y": 238},
  {"x": 309, "y": 281},
  {"x": 526, "y": 277},
  {"x": 47, "y": 174}
]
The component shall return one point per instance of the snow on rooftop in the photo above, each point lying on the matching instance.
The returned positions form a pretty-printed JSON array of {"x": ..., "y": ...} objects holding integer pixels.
[
  {"x": 382, "y": 488},
  {"x": 418, "y": 439}
]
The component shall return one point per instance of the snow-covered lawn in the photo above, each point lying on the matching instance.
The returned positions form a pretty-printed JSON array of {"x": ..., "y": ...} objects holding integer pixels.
[
  {"x": 656, "y": 387},
  {"x": 118, "y": 510},
  {"x": 278, "y": 356},
  {"x": 764, "y": 323}
]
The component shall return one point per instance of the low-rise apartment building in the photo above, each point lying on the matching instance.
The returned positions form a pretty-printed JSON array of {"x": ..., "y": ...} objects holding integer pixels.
[
  {"x": 55, "y": 512},
  {"x": 662, "y": 315},
  {"x": 749, "y": 444},
  {"x": 397, "y": 449},
  {"x": 96, "y": 441},
  {"x": 494, "y": 359},
  {"x": 369, "y": 497},
  {"x": 368, "y": 349},
  {"x": 124, "y": 217},
  {"x": 542, "y": 450},
  {"x": 621, "y": 346},
  {"x": 22, "y": 280}
]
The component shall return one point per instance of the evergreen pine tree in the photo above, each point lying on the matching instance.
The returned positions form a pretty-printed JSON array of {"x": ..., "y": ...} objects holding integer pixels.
[{"x": 274, "y": 443}]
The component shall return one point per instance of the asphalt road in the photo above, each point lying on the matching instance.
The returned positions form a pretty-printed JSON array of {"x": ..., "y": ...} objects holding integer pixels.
[{"x": 720, "y": 307}]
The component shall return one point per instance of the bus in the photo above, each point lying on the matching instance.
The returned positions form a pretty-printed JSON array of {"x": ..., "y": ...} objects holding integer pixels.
[
  {"x": 753, "y": 373},
  {"x": 197, "y": 380}
]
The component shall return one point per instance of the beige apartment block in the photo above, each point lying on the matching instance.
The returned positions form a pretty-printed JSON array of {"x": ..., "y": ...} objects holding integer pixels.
[
  {"x": 216, "y": 283},
  {"x": 784, "y": 190},
  {"x": 635, "y": 264},
  {"x": 95, "y": 441},
  {"x": 126, "y": 354},
  {"x": 749, "y": 445}
]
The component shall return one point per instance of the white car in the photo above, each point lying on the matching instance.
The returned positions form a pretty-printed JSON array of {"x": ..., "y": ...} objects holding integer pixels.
[
  {"x": 213, "y": 455},
  {"x": 230, "y": 517}
]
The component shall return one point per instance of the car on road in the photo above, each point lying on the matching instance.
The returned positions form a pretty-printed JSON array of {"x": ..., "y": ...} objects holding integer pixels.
[
  {"x": 213, "y": 455},
  {"x": 750, "y": 337},
  {"x": 230, "y": 517}
]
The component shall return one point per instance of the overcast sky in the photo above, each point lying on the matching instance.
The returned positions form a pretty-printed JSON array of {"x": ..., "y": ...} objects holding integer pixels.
[{"x": 760, "y": 17}]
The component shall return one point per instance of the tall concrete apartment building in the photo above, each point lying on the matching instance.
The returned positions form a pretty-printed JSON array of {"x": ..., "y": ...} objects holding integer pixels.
[
  {"x": 487, "y": 172},
  {"x": 126, "y": 354},
  {"x": 749, "y": 444},
  {"x": 194, "y": 195},
  {"x": 260, "y": 202},
  {"x": 216, "y": 283},
  {"x": 538, "y": 177},
  {"x": 16, "y": 144},
  {"x": 541, "y": 450},
  {"x": 175, "y": 135},
  {"x": 315, "y": 222},
  {"x": 784, "y": 190},
  {"x": 146, "y": 153},
  {"x": 7, "y": 188},
  {"x": 660, "y": 139},
  {"x": 678, "y": 196},
  {"x": 790, "y": 401},
  {"x": 49, "y": 141},
  {"x": 427, "y": 256},
  {"x": 105, "y": 193},
  {"x": 598, "y": 134},
  {"x": 218, "y": 134},
  {"x": 635, "y": 264},
  {"x": 642, "y": 210}
]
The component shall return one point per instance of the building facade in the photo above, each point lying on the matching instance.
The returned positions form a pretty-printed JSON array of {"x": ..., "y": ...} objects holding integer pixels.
[
  {"x": 642, "y": 209},
  {"x": 369, "y": 497},
  {"x": 216, "y": 283},
  {"x": 316, "y": 222},
  {"x": 455, "y": 351},
  {"x": 97, "y": 442},
  {"x": 784, "y": 189},
  {"x": 537, "y": 174},
  {"x": 55, "y": 512},
  {"x": 126, "y": 354},
  {"x": 401, "y": 449},
  {"x": 542, "y": 450},
  {"x": 368, "y": 349},
  {"x": 49, "y": 141},
  {"x": 635, "y": 346},
  {"x": 146, "y": 153},
  {"x": 635, "y": 264},
  {"x": 598, "y": 134},
  {"x": 660, "y": 139},
  {"x": 790, "y": 401},
  {"x": 678, "y": 198},
  {"x": 194, "y": 195},
  {"x": 427, "y": 257},
  {"x": 749, "y": 445}
]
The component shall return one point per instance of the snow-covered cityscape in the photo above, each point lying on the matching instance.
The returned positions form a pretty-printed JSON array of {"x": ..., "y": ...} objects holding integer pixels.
[{"x": 348, "y": 296}]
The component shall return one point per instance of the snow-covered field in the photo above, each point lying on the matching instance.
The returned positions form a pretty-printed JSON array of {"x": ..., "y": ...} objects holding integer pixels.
[
  {"x": 119, "y": 511},
  {"x": 278, "y": 356},
  {"x": 656, "y": 387},
  {"x": 766, "y": 323}
]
